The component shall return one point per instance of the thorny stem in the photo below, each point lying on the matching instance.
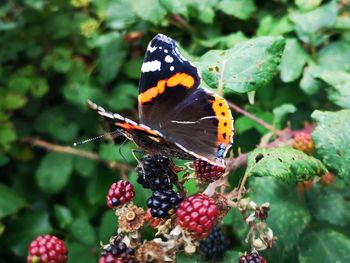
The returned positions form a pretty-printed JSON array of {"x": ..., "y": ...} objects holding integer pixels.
[
  {"x": 73, "y": 151},
  {"x": 254, "y": 118}
]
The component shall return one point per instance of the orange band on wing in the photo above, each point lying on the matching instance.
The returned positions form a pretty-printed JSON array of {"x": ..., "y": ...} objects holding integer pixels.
[
  {"x": 182, "y": 79},
  {"x": 223, "y": 114},
  {"x": 128, "y": 127}
]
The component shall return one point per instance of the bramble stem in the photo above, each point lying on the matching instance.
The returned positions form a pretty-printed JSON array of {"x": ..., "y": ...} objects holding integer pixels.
[
  {"x": 254, "y": 118},
  {"x": 73, "y": 151}
]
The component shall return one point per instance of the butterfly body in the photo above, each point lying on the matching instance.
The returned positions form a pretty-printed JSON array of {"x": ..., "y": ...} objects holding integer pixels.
[{"x": 177, "y": 117}]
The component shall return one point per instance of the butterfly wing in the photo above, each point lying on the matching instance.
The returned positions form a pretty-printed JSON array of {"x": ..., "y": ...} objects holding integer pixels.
[{"x": 198, "y": 121}]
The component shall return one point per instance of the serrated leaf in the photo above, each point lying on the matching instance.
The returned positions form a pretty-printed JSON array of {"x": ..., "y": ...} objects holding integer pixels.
[
  {"x": 54, "y": 172},
  {"x": 10, "y": 201},
  {"x": 149, "y": 10},
  {"x": 241, "y": 9},
  {"x": 83, "y": 231},
  {"x": 243, "y": 68},
  {"x": 286, "y": 164},
  {"x": 293, "y": 61},
  {"x": 326, "y": 246},
  {"x": 310, "y": 25},
  {"x": 338, "y": 84},
  {"x": 332, "y": 140}
]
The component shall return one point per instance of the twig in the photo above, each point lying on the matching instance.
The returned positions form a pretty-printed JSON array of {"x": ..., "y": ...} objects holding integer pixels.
[
  {"x": 72, "y": 151},
  {"x": 254, "y": 118}
]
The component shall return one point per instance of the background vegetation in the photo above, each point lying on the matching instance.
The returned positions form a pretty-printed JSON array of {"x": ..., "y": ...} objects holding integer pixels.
[{"x": 54, "y": 55}]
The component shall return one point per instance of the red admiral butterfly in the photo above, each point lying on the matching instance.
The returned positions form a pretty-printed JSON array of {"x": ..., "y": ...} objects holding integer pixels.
[{"x": 177, "y": 117}]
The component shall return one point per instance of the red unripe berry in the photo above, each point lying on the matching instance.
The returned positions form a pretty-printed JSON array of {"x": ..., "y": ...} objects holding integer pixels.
[
  {"x": 152, "y": 221},
  {"x": 47, "y": 249},
  {"x": 197, "y": 215},
  {"x": 327, "y": 178},
  {"x": 207, "y": 172},
  {"x": 120, "y": 193},
  {"x": 304, "y": 142}
]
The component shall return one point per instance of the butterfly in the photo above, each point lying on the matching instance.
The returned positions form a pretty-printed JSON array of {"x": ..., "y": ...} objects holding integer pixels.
[{"x": 178, "y": 118}]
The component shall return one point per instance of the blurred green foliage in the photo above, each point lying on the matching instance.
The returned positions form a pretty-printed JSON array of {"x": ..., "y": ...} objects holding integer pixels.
[{"x": 55, "y": 55}]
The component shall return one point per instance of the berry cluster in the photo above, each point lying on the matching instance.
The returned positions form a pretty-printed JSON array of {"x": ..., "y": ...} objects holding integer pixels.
[
  {"x": 197, "y": 215},
  {"x": 152, "y": 221},
  {"x": 252, "y": 257},
  {"x": 47, "y": 249},
  {"x": 154, "y": 172},
  {"x": 207, "y": 172},
  {"x": 304, "y": 142},
  {"x": 214, "y": 246},
  {"x": 120, "y": 193},
  {"x": 164, "y": 203},
  {"x": 117, "y": 252}
]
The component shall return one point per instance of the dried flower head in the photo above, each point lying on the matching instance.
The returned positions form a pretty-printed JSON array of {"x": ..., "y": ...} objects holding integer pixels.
[
  {"x": 131, "y": 219},
  {"x": 150, "y": 252}
]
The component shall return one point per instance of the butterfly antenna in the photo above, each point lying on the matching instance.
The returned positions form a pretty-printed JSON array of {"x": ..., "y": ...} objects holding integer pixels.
[{"x": 95, "y": 138}]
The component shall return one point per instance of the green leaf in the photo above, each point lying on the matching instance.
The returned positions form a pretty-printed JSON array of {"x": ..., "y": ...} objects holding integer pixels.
[
  {"x": 307, "y": 5},
  {"x": 286, "y": 211},
  {"x": 39, "y": 87},
  {"x": 79, "y": 253},
  {"x": 7, "y": 135},
  {"x": 12, "y": 101},
  {"x": 176, "y": 6},
  {"x": 132, "y": 68},
  {"x": 243, "y": 68},
  {"x": 335, "y": 56},
  {"x": 281, "y": 111},
  {"x": 329, "y": 205},
  {"x": 59, "y": 60},
  {"x": 111, "y": 152},
  {"x": 308, "y": 83},
  {"x": 243, "y": 124},
  {"x": 111, "y": 61},
  {"x": 54, "y": 172},
  {"x": 108, "y": 226},
  {"x": 326, "y": 245},
  {"x": 227, "y": 41},
  {"x": 78, "y": 93},
  {"x": 124, "y": 97},
  {"x": 3, "y": 159},
  {"x": 203, "y": 10},
  {"x": 21, "y": 231},
  {"x": 293, "y": 61},
  {"x": 141, "y": 194},
  {"x": 242, "y": 9},
  {"x": 332, "y": 140},
  {"x": 287, "y": 164},
  {"x": 10, "y": 201},
  {"x": 119, "y": 14},
  {"x": 149, "y": 10},
  {"x": 19, "y": 84},
  {"x": 271, "y": 26},
  {"x": 83, "y": 231},
  {"x": 63, "y": 216},
  {"x": 310, "y": 26},
  {"x": 338, "y": 84}
]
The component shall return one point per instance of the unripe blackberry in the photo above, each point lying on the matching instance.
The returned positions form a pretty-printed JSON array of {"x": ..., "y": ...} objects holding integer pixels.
[
  {"x": 117, "y": 252},
  {"x": 47, "y": 249},
  {"x": 120, "y": 193},
  {"x": 252, "y": 257},
  {"x": 327, "y": 178},
  {"x": 304, "y": 142},
  {"x": 214, "y": 246},
  {"x": 207, "y": 172},
  {"x": 197, "y": 215},
  {"x": 155, "y": 172},
  {"x": 164, "y": 203}
]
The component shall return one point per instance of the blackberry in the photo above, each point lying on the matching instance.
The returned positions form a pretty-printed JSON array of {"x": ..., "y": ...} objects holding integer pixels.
[
  {"x": 117, "y": 251},
  {"x": 164, "y": 203},
  {"x": 252, "y": 257},
  {"x": 207, "y": 172},
  {"x": 155, "y": 172},
  {"x": 214, "y": 246}
]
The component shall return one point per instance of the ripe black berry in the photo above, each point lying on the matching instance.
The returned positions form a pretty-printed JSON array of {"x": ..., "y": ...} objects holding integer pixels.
[
  {"x": 252, "y": 257},
  {"x": 164, "y": 202},
  {"x": 154, "y": 172},
  {"x": 117, "y": 251},
  {"x": 214, "y": 246},
  {"x": 207, "y": 172}
]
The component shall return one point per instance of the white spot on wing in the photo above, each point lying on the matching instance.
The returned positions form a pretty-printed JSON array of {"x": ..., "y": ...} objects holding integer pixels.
[
  {"x": 165, "y": 50},
  {"x": 151, "y": 66},
  {"x": 151, "y": 49},
  {"x": 172, "y": 68},
  {"x": 169, "y": 59}
]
